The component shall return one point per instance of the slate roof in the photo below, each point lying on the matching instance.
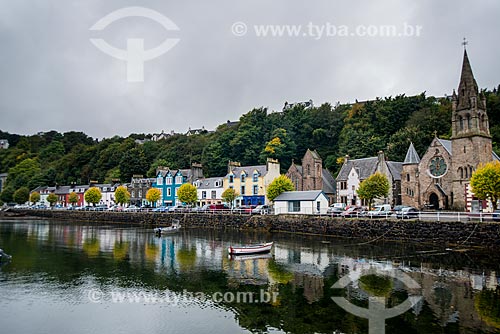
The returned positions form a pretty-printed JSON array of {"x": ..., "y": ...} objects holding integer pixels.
[
  {"x": 262, "y": 169},
  {"x": 209, "y": 183},
  {"x": 395, "y": 168},
  {"x": 411, "y": 156},
  {"x": 365, "y": 166},
  {"x": 62, "y": 190},
  {"x": 309, "y": 195},
  {"x": 329, "y": 183},
  {"x": 446, "y": 144}
]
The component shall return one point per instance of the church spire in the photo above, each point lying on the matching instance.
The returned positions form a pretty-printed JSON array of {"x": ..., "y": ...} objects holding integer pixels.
[
  {"x": 468, "y": 92},
  {"x": 411, "y": 156}
]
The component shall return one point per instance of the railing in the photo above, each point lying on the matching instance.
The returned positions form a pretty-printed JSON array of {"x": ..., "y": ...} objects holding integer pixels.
[{"x": 439, "y": 216}]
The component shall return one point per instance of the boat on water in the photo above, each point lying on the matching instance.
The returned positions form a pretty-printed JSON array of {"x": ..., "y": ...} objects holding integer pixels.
[
  {"x": 4, "y": 256},
  {"x": 175, "y": 227},
  {"x": 251, "y": 249}
]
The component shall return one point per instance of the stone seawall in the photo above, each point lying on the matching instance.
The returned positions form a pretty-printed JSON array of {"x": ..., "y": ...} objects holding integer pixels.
[{"x": 485, "y": 234}]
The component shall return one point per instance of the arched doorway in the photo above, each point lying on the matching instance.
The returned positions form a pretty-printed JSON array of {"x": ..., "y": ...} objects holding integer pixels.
[{"x": 434, "y": 201}]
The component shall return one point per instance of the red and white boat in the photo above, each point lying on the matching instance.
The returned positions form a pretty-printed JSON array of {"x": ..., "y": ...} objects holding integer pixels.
[{"x": 251, "y": 249}]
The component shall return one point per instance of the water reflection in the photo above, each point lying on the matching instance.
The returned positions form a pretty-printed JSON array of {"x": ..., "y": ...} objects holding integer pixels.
[{"x": 59, "y": 262}]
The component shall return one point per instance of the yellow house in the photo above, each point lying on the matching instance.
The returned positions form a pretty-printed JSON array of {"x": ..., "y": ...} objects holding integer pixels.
[{"x": 251, "y": 182}]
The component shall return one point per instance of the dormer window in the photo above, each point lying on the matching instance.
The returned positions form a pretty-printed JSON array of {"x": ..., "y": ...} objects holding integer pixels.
[
  {"x": 255, "y": 177},
  {"x": 159, "y": 180},
  {"x": 243, "y": 177}
]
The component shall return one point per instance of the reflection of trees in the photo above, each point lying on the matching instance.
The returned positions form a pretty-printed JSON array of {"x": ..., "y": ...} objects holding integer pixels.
[
  {"x": 186, "y": 257},
  {"x": 151, "y": 251},
  {"x": 120, "y": 250},
  {"x": 278, "y": 272},
  {"x": 487, "y": 304},
  {"x": 376, "y": 285},
  {"x": 91, "y": 247}
]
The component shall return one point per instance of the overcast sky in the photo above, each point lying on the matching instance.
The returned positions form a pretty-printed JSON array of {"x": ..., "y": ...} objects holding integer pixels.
[{"x": 53, "y": 78}]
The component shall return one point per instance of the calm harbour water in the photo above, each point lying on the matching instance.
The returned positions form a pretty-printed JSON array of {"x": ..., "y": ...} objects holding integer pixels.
[{"x": 94, "y": 278}]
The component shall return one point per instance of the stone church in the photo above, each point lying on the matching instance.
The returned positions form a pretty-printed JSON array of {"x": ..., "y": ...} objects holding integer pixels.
[
  {"x": 441, "y": 178},
  {"x": 312, "y": 176}
]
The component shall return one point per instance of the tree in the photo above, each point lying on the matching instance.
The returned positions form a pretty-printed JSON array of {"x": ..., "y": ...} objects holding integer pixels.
[
  {"x": 485, "y": 182},
  {"x": 279, "y": 185},
  {"x": 93, "y": 195},
  {"x": 153, "y": 195},
  {"x": 122, "y": 195},
  {"x": 188, "y": 194},
  {"x": 7, "y": 193},
  {"x": 133, "y": 162},
  {"x": 52, "y": 198},
  {"x": 34, "y": 197},
  {"x": 21, "y": 195},
  {"x": 229, "y": 195},
  {"x": 375, "y": 186},
  {"x": 73, "y": 198}
]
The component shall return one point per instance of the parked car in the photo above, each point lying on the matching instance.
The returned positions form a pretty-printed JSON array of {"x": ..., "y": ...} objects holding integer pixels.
[
  {"x": 146, "y": 207},
  {"x": 217, "y": 207},
  {"x": 334, "y": 211},
  {"x": 353, "y": 211},
  {"x": 383, "y": 210},
  {"x": 160, "y": 209},
  {"x": 132, "y": 208},
  {"x": 262, "y": 209},
  {"x": 244, "y": 209},
  {"x": 496, "y": 215},
  {"x": 115, "y": 208},
  {"x": 398, "y": 208},
  {"x": 408, "y": 212},
  {"x": 177, "y": 208},
  {"x": 339, "y": 205}
]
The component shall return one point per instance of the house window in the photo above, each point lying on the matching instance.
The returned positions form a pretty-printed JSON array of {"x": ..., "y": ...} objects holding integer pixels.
[
  {"x": 203, "y": 194},
  {"x": 243, "y": 176},
  {"x": 408, "y": 177},
  {"x": 140, "y": 193},
  {"x": 343, "y": 199},
  {"x": 231, "y": 178},
  {"x": 178, "y": 179},
  {"x": 176, "y": 191},
  {"x": 168, "y": 180},
  {"x": 294, "y": 206},
  {"x": 214, "y": 194},
  {"x": 255, "y": 177},
  {"x": 308, "y": 170},
  {"x": 217, "y": 183},
  {"x": 105, "y": 189},
  {"x": 242, "y": 190},
  {"x": 343, "y": 185},
  {"x": 169, "y": 192},
  {"x": 318, "y": 206},
  {"x": 255, "y": 190},
  {"x": 159, "y": 181}
]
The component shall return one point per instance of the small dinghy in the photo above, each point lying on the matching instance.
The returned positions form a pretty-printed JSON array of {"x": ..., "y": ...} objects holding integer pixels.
[
  {"x": 250, "y": 249},
  {"x": 175, "y": 227}
]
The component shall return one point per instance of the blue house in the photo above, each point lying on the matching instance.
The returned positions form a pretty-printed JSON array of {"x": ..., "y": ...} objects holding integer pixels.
[{"x": 168, "y": 181}]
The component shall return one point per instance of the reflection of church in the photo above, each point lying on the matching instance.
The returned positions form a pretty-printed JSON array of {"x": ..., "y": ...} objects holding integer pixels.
[{"x": 440, "y": 180}]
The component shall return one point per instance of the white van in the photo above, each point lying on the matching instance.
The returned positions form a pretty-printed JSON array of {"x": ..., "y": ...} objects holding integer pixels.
[{"x": 383, "y": 210}]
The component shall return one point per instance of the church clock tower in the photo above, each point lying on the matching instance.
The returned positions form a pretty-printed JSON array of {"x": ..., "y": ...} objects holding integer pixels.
[{"x": 470, "y": 140}]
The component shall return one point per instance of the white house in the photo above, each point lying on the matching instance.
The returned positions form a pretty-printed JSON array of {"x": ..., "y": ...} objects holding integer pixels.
[
  {"x": 209, "y": 190},
  {"x": 301, "y": 202}
]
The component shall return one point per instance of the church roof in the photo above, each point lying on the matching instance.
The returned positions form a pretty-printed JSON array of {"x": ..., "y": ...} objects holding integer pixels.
[
  {"x": 328, "y": 182},
  {"x": 446, "y": 144},
  {"x": 411, "y": 156},
  {"x": 395, "y": 168}
]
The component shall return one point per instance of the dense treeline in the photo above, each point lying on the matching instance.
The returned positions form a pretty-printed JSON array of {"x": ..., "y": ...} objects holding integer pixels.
[{"x": 358, "y": 130}]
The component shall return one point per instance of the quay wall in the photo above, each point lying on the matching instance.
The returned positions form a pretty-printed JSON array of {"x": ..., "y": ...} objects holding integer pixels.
[{"x": 451, "y": 234}]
